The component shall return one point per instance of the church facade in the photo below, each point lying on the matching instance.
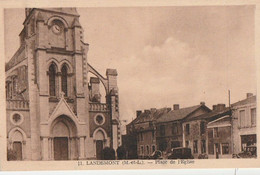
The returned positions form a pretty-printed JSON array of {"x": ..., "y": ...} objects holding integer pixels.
[{"x": 53, "y": 108}]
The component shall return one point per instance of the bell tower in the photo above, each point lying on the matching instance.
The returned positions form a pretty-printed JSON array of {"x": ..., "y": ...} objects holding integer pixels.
[
  {"x": 57, "y": 59},
  {"x": 49, "y": 76}
]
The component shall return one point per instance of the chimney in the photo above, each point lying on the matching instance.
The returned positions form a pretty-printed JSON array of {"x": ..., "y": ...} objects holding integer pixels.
[
  {"x": 138, "y": 113},
  {"x": 219, "y": 107},
  {"x": 176, "y": 107},
  {"x": 249, "y": 95},
  {"x": 202, "y": 103},
  {"x": 146, "y": 110},
  {"x": 153, "y": 109}
]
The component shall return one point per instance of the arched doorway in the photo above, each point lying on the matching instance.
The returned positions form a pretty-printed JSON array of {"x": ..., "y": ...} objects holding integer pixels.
[
  {"x": 17, "y": 144},
  {"x": 100, "y": 144},
  {"x": 64, "y": 134}
]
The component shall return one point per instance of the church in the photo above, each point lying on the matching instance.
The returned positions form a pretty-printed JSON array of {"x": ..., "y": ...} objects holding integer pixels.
[{"x": 53, "y": 108}]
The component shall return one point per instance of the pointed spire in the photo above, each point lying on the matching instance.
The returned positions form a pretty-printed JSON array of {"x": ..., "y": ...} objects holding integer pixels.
[
  {"x": 40, "y": 17},
  {"x": 76, "y": 23}
]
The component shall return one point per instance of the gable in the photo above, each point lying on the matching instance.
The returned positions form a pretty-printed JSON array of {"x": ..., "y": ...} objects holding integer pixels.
[
  {"x": 179, "y": 114},
  {"x": 63, "y": 109},
  {"x": 198, "y": 112},
  {"x": 220, "y": 122}
]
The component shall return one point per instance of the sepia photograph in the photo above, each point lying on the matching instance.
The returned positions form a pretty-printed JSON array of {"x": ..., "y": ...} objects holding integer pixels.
[{"x": 130, "y": 83}]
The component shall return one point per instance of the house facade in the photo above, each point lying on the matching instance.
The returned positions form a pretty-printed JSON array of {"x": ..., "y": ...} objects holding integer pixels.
[
  {"x": 244, "y": 118},
  {"x": 144, "y": 127},
  {"x": 217, "y": 133},
  {"x": 53, "y": 109},
  {"x": 173, "y": 130},
  {"x": 196, "y": 135},
  {"x": 219, "y": 136}
]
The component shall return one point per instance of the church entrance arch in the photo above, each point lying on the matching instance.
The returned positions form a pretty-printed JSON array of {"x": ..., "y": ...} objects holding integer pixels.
[
  {"x": 64, "y": 134},
  {"x": 100, "y": 138},
  {"x": 17, "y": 143}
]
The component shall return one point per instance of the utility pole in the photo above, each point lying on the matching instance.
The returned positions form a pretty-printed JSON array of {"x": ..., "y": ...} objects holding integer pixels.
[
  {"x": 232, "y": 139},
  {"x": 228, "y": 98}
]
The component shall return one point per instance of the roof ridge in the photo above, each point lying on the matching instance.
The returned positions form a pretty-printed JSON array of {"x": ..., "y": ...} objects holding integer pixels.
[
  {"x": 244, "y": 100},
  {"x": 179, "y": 114},
  {"x": 186, "y": 108}
]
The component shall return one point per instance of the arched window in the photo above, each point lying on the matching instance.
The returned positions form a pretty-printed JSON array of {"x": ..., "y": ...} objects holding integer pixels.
[
  {"x": 64, "y": 80},
  {"x": 14, "y": 85},
  {"x": 52, "y": 82}
]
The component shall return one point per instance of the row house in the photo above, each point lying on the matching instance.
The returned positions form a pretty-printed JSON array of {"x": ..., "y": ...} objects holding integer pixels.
[
  {"x": 217, "y": 133},
  {"x": 145, "y": 130},
  {"x": 170, "y": 126},
  {"x": 196, "y": 131},
  {"x": 244, "y": 123}
]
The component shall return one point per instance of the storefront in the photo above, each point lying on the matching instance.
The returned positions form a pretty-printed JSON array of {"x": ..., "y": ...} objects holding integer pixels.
[{"x": 247, "y": 140}]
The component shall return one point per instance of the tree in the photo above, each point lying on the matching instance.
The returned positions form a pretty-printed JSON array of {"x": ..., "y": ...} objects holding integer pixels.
[
  {"x": 121, "y": 153},
  {"x": 108, "y": 154},
  {"x": 11, "y": 155}
]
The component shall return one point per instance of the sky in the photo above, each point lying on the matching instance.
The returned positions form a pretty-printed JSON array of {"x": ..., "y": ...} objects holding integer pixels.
[{"x": 166, "y": 55}]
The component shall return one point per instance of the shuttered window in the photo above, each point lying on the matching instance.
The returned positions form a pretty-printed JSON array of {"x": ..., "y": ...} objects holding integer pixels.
[
  {"x": 242, "y": 118},
  {"x": 253, "y": 117}
]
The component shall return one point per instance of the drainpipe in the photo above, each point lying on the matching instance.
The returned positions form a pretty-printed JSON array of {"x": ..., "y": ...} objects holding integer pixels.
[{"x": 231, "y": 127}]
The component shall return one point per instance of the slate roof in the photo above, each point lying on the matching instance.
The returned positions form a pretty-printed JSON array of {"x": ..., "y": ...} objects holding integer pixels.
[
  {"x": 143, "y": 121},
  {"x": 248, "y": 100},
  {"x": 150, "y": 115},
  {"x": 211, "y": 115},
  {"x": 178, "y": 114},
  {"x": 220, "y": 121}
]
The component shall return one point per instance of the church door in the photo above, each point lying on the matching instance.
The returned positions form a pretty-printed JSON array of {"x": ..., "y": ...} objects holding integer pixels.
[
  {"x": 61, "y": 148},
  {"x": 17, "y": 147},
  {"x": 99, "y": 148}
]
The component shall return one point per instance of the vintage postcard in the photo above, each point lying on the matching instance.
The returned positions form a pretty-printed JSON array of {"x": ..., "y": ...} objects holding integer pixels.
[{"x": 135, "y": 85}]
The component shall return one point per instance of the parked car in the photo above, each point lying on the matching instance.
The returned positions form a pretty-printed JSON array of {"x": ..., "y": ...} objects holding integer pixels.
[
  {"x": 249, "y": 152},
  {"x": 203, "y": 156},
  {"x": 156, "y": 155},
  {"x": 180, "y": 153}
]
